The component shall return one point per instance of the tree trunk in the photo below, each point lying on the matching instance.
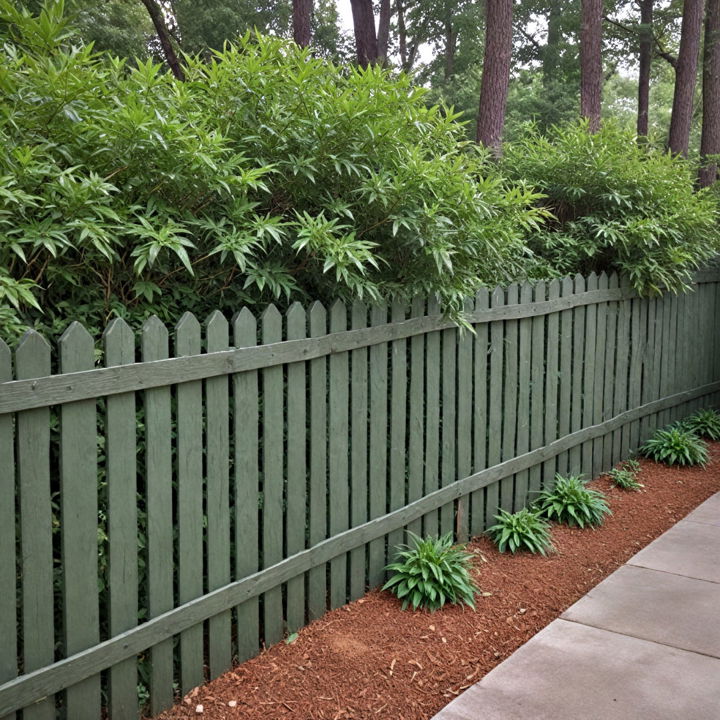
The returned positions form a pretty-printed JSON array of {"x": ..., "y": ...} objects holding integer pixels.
[
  {"x": 302, "y": 12},
  {"x": 710, "y": 138},
  {"x": 646, "y": 48},
  {"x": 685, "y": 76},
  {"x": 496, "y": 74},
  {"x": 383, "y": 37},
  {"x": 164, "y": 36},
  {"x": 591, "y": 62},
  {"x": 550, "y": 54},
  {"x": 450, "y": 44},
  {"x": 364, "y": 26},
  {"x": 402, "y": 34}
]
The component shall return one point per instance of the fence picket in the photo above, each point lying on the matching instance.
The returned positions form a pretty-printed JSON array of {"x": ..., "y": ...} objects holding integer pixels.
[
  {"x": 378, "y": 445},
  {"x": 121, "y": 463},
  {"x": 8, "y": 571},
  {"x": 273, "y": 475},
  {"x": 448, "y": 421},
  {"x": 217, "y": 439},
  {"x": 478, "y": 513},
  {"x": 637, "y": 349},
  {"x": 509, "y": 411},
  {"x": 565, "y": 375},
  {"x": 246, "y": 416},
  {"x": 158, "y": 481},
  {"x": 495, "y": 399},
  {"x": 432, "y": 417},
  {"x": 398, "y": 426},
  {"x": 552, "y": 352},
  {"x": 338, "y": 486},
  {"x": 621, "y": 438},
  {"x": 416, "y": 446},
  {"x": 317, "y": 584},
  {"x": 588, "y": 414},
  {"x": 295, "y": 516},
  {"x": 464, "y": 425},
  {"x": 575, "y": 455},
  {"x": 521, "y": 498},
  {"x": 599, "y": 378},
  {"x": 611, "y": 321},
  {"x": 32, "y": 359},
  {"x": 359, "y": 450},
  {"x": 537, "y": 392}
]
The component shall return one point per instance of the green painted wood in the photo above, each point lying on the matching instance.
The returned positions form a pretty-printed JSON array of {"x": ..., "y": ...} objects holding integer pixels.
[
  {"x": 32, "y": 359},
  {"x": 158, "y": 488},
  {"x": 189, "y": 502},
  {"x": 432, "y": 417},
  {"x": 297, "y": 470},
  {"x": 398, "y": 427},
  {"x": 648, "y": 323},
  {"x": 478, "y": 512},
  {"x": 565, "y": 369},
  {"x": 359, "y": 451},
  {"x": 598, "y": 393},
  {"x": 317, "y": 584},
  {"x": 464, "y": 424},
  {"x": 509, "y": 411},
  {"x": 664, "y": 353},
  {"x": 637, "y": 349},
  {"x": 122, "y": 519},
  {"x": 52, "y": 390},
  {"x": 416, "y": 422},
  {"x": 495, "y": 400},
  {"x": 39, "y": 684},
  {"x": 552, "y": 359},
  {"x": 378, "y": 446},
  {"x": 522, "y": 487},
  {"x": 246, "y": 480},
  {"x": 273, "y": 475},
  {"x": 537, "y": 392},
  {"x": 24, "y": 690},
  {"x": 588, "y": 392},
  {"x": 609, "y": 368},
  {"x": 8, "y": 571},
  {"x": 79, "y": 519},
  {"x": 217, "y": 444},
  {"x": 448, "y": 421},
  {"x": 575, "y": 454},
  {"x": 673, "y": 360},
  {"x": 621, "y": 438},
  {"x": 656, "y": 304},
  {"x": 338, "y": 481}
]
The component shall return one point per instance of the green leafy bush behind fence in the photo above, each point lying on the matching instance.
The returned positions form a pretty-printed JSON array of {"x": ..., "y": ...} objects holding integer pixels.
[{"x": 207, "y": 490}]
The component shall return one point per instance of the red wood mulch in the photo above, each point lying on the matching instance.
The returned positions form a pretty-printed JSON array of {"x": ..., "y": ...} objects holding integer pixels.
[{"x": 369, "y": 659}]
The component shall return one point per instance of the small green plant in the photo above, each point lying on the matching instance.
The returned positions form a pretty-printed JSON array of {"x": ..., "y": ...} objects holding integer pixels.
[
  {"x": 431, "y": 572},
  {"x": 523, "y": 530},
  {"x": 676, "y": 445},
  {"x": 704, "y": 423},
  {"x": 625, "y": 475},
  {"x": 572, "y": 503}
]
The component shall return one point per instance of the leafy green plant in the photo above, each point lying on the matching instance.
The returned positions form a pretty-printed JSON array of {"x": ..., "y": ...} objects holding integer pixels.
[
  {"x": 572, "y": 503},
  {"x": 618, "y": 206},
  {"x": 431, "y": 572},
  {"x": 523, "y": 530},
  {"x": 676, "y": 445},
  {"x": 704, "y": 423},
  {"x": 625, "y": 475}
]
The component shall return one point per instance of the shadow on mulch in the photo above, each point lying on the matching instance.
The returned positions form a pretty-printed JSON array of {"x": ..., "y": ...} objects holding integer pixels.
[{"x": 370, "y": 659}]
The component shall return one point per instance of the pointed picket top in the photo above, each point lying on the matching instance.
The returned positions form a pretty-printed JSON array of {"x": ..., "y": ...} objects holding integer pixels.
[
  {"x": 592, "y": 280},
  {"x": 187, "y": 335},
  {"x": 318, "y": 319},
  {"x": 567, "y": 286},
  {"x": 498, "y": 296},
  {"x": 217, "y": 331},
  {"x": 119, "y": 341},
  {"x": 513, "y": 293},
  {"x": 154, "y": 339},
  {"x": 272, "y": 322},
  {"x": 5, "y": 362},
  {"x": 244, "y": 328},
  {"x": 554, "y": 288},
  {"x": 417, "y": 307},
  {"x": 296, "y": 319},
  {"x": 338, "y": 315},
  {"x": 579, "y": 283},
  {"x": 32, "y": 357},
  {"x": 613, "y": 280},
  {"x": 358, "y": 314},
  {"x": 379, "y": 314},
  {"x": 77, "y": 349},
  {"x": 526, "y": 293},
  {"x": 482, "y": 299},
  {"x": 398, "y": 310},
  {"x": 603, "y": 280}
]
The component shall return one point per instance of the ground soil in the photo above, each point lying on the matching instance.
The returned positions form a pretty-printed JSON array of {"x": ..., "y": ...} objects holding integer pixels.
[{"x": 370, "y": 659}]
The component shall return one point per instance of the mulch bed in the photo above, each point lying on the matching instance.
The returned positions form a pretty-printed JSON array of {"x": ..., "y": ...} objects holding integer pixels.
[{"x": 370, "y": 659}]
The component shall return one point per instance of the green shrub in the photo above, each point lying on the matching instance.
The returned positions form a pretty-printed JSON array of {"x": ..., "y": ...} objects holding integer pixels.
[
  {"x": 431, "y": 572},
  {"x": 618, "y": 206},
  {"x": 269, "y": 175},
  {"x": 676, "y": 445},
  {"x": 704, "y": 423},
  {"x": 572, "y": 503},
  {"x": 523, "y": 530},
  {"x": 625, "y": 475}
]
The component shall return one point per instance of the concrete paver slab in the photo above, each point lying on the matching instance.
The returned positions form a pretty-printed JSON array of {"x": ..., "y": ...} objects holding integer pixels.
[
  {"x": 708, "y": 512},
  {"x": 688, "y": 548},
  {"x": 570, "y": 671},
  {"x": 653, "y": 605}
]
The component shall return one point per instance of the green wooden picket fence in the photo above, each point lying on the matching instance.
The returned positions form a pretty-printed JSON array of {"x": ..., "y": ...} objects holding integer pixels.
[{"x": 194, "y": 497}]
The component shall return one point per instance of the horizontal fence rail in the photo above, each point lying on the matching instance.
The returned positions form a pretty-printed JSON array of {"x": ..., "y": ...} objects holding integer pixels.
[{"x": 211, "y": 489}]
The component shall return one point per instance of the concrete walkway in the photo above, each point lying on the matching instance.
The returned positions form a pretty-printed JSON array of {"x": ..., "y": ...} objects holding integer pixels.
[{"x": 644, "y": 644}]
